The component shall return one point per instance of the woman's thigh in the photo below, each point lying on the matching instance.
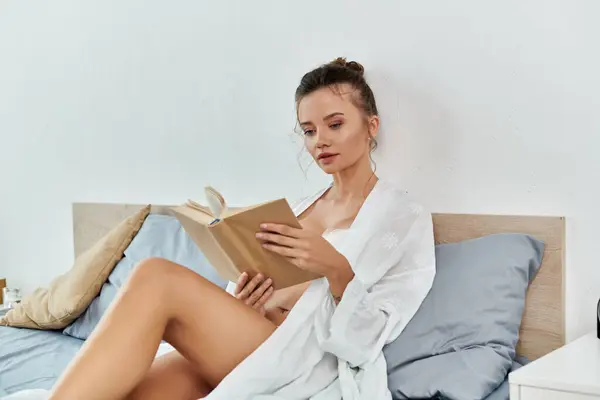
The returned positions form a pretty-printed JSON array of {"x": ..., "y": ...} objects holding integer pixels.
[
  {"x": 171, "y": 377},
  {"x": 212, "y": 329}
]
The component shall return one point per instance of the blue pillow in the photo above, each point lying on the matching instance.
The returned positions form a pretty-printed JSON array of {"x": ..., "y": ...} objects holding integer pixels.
[
  {"x": 461, "y": 342},
  {"x": 160, "y": 236}
]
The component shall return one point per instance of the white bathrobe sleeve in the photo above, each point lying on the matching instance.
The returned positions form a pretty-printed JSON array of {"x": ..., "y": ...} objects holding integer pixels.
[{"x": 393, "y": 257}]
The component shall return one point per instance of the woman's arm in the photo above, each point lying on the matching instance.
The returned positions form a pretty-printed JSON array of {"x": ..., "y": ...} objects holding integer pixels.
[
  {"x": 394, "y": 271},
  {"x": 339, "y": 280}
]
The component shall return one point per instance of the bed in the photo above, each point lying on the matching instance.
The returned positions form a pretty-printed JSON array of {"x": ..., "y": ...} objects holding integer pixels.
[{"x": 34, "y": 359}]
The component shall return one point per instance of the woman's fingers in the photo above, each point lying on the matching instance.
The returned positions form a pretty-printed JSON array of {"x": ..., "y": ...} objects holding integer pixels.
[
  {"x": 258, "y": 292},
  {"x": 263, "y": 299},
  {"x": 284, "y": 230},
  {"x": 241, "y": 283},
  {"x": 250, "y": 286},
  {"x": 281, "y": 240},
  {"x": 286, "y": 251},
  {"x": 254, "y": 292}
]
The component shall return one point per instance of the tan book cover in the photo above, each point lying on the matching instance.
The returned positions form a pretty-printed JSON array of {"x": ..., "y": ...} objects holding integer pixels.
[{"x": 226, "y": 236}]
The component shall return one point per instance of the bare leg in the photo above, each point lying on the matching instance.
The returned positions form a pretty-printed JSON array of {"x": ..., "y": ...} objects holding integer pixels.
[
  {"x": 171, "y": 377},
  {"x": 162, "y": 300}
]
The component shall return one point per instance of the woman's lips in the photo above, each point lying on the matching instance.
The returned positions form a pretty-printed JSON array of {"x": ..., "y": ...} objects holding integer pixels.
[{"x": 327, "y": 158}]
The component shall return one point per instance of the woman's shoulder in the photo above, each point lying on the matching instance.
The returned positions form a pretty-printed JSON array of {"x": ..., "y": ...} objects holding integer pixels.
[
  {"x": 296, "y": 204},
  {"x": 301, "y": 202},
  {"x": 400, "y": 199}
]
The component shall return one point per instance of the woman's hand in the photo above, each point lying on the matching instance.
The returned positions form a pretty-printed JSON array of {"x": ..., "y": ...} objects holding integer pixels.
[
  {"x": 254, "y": 292},
  {"x": 304, "y": 248},
  {"x": 311, "y": 252}
]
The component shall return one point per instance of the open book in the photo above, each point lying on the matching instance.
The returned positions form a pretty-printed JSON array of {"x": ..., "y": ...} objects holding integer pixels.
[{"x": 226, "y": 237}]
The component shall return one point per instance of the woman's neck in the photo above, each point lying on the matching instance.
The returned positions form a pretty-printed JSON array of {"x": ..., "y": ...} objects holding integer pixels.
[{"x": 353, "y": 183}]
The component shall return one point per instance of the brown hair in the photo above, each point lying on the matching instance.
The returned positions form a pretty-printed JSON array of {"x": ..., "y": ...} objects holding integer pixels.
[{"x": 335, "y": 73}]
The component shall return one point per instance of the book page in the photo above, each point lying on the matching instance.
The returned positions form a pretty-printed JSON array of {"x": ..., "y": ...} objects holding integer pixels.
[{"x": 229, "y": 211}]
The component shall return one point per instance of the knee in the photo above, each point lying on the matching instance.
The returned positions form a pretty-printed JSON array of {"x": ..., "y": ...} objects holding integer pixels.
[{"x": 151, "y": 273}]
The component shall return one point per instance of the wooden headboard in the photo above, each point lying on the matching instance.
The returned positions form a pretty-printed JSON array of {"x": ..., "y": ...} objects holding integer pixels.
[{"x": 543, "y": 325}]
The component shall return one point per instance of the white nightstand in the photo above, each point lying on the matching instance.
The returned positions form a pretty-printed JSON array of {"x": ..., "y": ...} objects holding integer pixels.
[{"x": 569, "y": 373}]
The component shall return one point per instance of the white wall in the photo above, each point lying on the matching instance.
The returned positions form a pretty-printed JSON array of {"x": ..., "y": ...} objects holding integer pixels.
[{"x": 487, "y": 107}]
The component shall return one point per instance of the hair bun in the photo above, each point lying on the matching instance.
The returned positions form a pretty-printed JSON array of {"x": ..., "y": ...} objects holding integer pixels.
[{"x": 352, "y": 65}]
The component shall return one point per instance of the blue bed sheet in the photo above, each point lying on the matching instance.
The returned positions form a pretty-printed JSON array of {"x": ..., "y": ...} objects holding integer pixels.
[{"x": 33, "y": 359}]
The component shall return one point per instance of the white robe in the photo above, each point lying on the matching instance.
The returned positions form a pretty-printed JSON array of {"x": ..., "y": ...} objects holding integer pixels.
[
  {"x": 324, "y": 351},
  {"x": 328, "y": 352}
]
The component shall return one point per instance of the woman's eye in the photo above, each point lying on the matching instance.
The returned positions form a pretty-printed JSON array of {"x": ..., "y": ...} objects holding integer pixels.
[
  {"x": 336, "y": 125},
  {"x": 309, "y": 132}
]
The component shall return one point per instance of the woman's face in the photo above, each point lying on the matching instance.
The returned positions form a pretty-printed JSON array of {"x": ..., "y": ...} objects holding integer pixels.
[{"x": 336, "y": 132}]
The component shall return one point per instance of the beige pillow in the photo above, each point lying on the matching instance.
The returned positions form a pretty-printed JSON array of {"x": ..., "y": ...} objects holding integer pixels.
[{"x": 69, "y": 295}]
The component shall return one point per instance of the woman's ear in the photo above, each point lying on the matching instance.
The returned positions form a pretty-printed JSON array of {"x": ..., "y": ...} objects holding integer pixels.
[{"x": 373, "y": 125}]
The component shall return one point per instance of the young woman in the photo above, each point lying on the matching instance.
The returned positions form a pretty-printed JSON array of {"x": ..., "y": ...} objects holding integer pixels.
[{"x": 322, "y": 340}]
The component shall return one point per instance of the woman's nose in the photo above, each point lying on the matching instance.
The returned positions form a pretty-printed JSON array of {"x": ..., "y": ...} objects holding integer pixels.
[{"x": 322, "y": 140}]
